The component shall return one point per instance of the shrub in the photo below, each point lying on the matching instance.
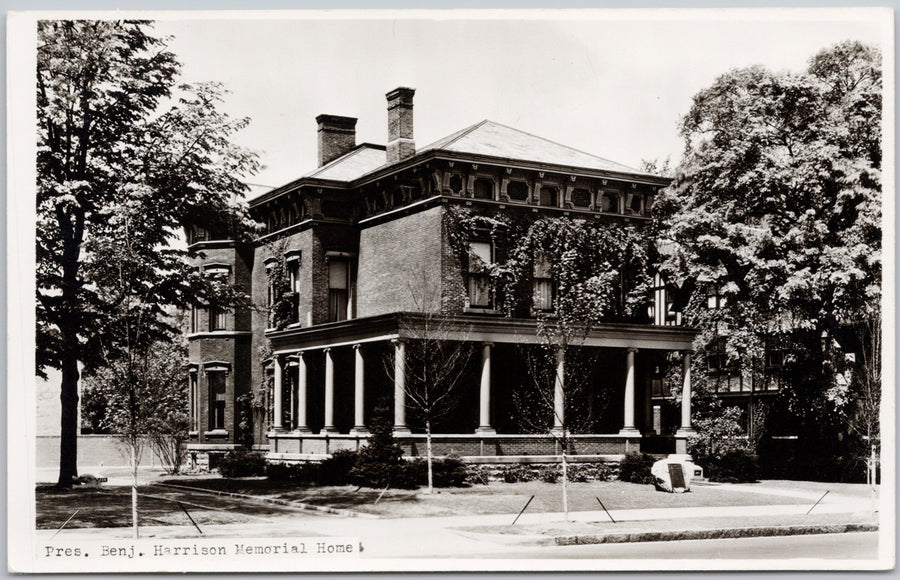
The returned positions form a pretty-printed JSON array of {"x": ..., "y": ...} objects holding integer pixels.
[
  {"x": 414, "y": 473},
  {"x": 477, "y": 474},
  {"x": 335, "y": 470},
  {"x": 516, "y": 473},
  {"x": 294, "y": 472},
  {"x": 736, "y": 466},
  {"x": 242, "y": 463},
  {"x": 580, "y": 472},
  {"x": 450, "y": 472},
  {"x": 550, "y": 473},
  {"x": 635, "y": 468},
  {"x": 379, "y": 464}
]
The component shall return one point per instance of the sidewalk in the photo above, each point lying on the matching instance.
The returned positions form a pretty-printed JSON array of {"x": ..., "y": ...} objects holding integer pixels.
[{"x": 471, "y": 535}]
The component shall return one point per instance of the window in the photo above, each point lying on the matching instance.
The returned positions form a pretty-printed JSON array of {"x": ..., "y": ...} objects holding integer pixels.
[
  {"x": 610, "y": 203},
  {"x": 195, "y": 319},
  {"x": 484, "y": 189},
  {"x": 480, "y": 259},
  {"x": 218, "y": 319},
  {"x": 456, "y": 185},
  {"x": 517, "y": 190},
  {"x": 293, "y": 271},
  {"x": 193, "y": 400},
  {"x": 338, "y": 289},
  {"x": 216, "y": 381},
  {"x": 715, "y": 299},
  {"x": 662, "y": 311},
  {"x": 716, "y": 359},
  {"x": 634, "y": 203},
  {"x": 549, "y": 196},
  {"x": 581, "y": 198},
  {"x": 544, "y": 289}
]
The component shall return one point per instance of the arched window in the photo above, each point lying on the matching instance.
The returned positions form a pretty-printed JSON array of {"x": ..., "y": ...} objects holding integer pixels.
[
  {"x": 484, "y": 188},
  {"x": 517, "y": 190},
  {"x": 549, "y": 196}
]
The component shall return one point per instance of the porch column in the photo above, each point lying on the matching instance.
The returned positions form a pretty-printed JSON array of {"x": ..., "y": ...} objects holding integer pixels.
[
  {"x": 559, "y": 406},
  {"x": 686, "y": 428},
  {"x": 279, "y": 394},
  {"x": 359, "y": 422},
  {"x": 484, "y": 422},
  {"x": 629, "y": 428},
  {"x": 329, "y": 393},
  {"x": 301, "y": 425},
  {"x": 400, "y": 386}
]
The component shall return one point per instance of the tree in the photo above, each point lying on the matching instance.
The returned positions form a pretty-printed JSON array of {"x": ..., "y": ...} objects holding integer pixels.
[
  {"x": 434, "y": 363},
  {"x": 571, "y": 275},
  {"x": 122, "y": 150},
  {"x": 146, "y": 404},
  {"x": 776, "y": 209},
  {"x": 596, "y": 273}
]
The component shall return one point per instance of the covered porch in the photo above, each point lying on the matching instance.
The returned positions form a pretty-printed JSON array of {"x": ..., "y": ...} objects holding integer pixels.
[{"x": 329, "y": 379}]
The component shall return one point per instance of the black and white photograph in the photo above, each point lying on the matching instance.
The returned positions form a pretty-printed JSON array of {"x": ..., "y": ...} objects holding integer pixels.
[{"x": 451, "y": 290}]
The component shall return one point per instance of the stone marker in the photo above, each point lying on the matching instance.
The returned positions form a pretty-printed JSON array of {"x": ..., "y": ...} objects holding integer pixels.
[{"x": 673, "y": 474}]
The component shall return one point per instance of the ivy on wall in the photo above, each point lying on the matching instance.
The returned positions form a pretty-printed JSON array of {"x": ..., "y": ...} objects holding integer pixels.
[{"x": 601, "y": 270}]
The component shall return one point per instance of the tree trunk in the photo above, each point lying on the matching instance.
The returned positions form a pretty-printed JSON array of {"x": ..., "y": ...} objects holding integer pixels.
[
  {"x": 134, "y": 501},
  {"x": 428, "y": 452},
  {"x": 565, "y": 489},
  {"x": 68, "y": 440}
]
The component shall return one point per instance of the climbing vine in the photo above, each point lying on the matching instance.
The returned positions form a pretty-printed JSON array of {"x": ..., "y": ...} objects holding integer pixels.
[{"x": 600, "y": 270}]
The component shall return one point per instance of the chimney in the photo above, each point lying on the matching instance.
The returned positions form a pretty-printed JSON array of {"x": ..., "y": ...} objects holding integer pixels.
[
  {"x": 400, "y": 125},
  {"x": 337, "y": 135}
]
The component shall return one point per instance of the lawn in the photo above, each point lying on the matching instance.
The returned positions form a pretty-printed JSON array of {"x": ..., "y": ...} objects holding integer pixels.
[
  {"x": 110, "y": 507},
  {"x": 496, "y": 498}
]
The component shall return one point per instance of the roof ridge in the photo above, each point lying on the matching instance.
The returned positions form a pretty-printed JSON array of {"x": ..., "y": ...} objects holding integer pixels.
[
  {"x": 354, "y": 151},
  {"x": 454, "y": 137},
  {"x": 565, "y": 146}
]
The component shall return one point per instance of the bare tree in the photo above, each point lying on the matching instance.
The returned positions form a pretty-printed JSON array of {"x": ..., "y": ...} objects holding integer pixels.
[
  {"x": 437, "y": 356},
  {"x": 865, "y": 421},
  {"x": 553, "y": 401}
]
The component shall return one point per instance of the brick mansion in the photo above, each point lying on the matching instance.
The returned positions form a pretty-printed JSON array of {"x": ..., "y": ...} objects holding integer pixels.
[{"x": 362, "y": 248}]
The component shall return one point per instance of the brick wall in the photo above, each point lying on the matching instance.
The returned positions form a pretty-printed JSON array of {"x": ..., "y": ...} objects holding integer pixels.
[{"x": 400, "y": 264}]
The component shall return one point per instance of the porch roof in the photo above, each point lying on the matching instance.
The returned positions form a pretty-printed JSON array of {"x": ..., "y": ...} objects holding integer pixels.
[{"x": 477, "y": 328}]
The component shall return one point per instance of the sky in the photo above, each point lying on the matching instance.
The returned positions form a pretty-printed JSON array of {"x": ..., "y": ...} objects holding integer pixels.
[{"x": 614, "y": 84}]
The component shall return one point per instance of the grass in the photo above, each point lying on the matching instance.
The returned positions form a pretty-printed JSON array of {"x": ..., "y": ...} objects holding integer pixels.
[
  {"x": 110, "y": 506},
  {"x": 496, "y": 498}
]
